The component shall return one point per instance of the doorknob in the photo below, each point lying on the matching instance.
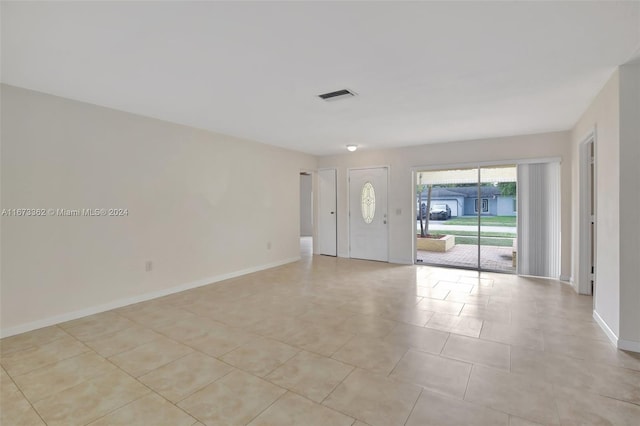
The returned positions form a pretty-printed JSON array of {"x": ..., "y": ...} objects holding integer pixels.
[{"x": 332, "y": 212}]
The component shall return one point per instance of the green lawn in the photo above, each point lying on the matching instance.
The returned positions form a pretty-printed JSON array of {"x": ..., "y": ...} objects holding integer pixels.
[
  {"x": 500, "y": 242},
  {"x": 485, "y": 220}
]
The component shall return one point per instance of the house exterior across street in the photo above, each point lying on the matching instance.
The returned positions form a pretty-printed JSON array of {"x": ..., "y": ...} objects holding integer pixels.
[{"x": 463, "y": 200}]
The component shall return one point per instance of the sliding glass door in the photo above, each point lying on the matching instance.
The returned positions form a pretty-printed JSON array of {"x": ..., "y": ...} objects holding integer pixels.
[
  {"x": 498, "y": 218},
  {"x": 447, "y": 229},
  {"x": 467, "y": 217}
]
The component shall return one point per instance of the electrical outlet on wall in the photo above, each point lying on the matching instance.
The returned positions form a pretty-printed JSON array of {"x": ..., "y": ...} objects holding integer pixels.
[{"x": 148, "y": 266}]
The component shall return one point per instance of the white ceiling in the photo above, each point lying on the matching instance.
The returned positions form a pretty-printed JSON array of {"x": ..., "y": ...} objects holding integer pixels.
[{"x": 424, "y": 72}]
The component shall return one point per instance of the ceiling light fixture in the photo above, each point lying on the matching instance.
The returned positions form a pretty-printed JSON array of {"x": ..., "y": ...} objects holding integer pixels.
[{"x": 352, "y": 148}]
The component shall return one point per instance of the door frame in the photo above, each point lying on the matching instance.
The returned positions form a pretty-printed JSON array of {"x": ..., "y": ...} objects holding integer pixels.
[
  {"x": 349, "y": 203},
  {"x": 587, "y": 238},
  {"x": 312, "y": 175},
  {"x": 314, "y": 207}
]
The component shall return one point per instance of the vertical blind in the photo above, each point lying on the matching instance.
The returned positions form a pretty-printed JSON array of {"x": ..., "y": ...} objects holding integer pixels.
[{"x": 539, "y": 219}]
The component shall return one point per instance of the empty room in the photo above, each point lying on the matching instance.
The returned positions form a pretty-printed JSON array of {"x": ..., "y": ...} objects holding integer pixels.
[{"x": 319, "y": 213}]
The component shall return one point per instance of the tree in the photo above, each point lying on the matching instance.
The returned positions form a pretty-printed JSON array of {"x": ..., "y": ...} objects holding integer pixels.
[
  {"x": 424, "y": 221},
  {"x": 507, "y": 188},
  {"x": 419, "y": 191},
  {"x": 428, "y": 211}
]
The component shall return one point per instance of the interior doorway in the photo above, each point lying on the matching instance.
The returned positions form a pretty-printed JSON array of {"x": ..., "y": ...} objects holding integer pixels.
[
  {"x": 587, "y": 273},
  {"x": 467, "y": 218},
  {"x": 306, "y": 214}
]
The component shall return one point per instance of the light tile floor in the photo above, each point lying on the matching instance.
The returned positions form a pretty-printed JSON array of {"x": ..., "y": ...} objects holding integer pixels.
[{"x": 327, "y": 341}]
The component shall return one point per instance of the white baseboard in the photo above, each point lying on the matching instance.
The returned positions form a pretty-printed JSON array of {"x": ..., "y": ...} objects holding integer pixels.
[
  {"x": 57, "y": 319},
  {"x": 626, "y": 345},
  {"x": 574, "y": 285},
  {"x": 401, "y": 261},
  {"x": 566, "y": 278},
  {"x": 603, "y": 325},
  {"x": 629, "y": 345}
]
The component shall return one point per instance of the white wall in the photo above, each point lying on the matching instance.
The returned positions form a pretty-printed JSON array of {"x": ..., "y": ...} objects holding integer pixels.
[
  {"x": 191, "y": 197},
  {"x": 603, "y": 114},
  {"x": 401, "y": 194},
  {"x": 630, "y": 204},
  {"x": 306, "y": 206},
  {"x": 614, "y": 114}
]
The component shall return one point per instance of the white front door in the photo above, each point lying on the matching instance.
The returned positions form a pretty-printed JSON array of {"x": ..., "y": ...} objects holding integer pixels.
[
  {"x": 368, "y": 221},
  {"x": 327, "y": 224}
]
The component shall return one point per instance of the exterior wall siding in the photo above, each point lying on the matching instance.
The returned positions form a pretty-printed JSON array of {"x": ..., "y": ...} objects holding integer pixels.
[
  {"x": 505, "y": 206},
  {"x": 460, "y": 206}
]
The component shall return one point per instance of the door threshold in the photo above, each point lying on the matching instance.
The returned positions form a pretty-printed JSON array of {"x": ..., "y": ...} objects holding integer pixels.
[{"x": 464, "y": 268}]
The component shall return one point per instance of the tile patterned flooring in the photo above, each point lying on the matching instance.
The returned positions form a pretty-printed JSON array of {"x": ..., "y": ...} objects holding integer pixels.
[{"x": 327, "y": 341}]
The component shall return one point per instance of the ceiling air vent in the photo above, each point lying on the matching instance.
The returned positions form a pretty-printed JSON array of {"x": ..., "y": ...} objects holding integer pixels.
[{"x": 338, "y": 94}]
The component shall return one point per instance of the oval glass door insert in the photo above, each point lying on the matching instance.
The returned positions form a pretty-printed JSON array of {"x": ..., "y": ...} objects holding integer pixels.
[{"x": 368, "y": 202}]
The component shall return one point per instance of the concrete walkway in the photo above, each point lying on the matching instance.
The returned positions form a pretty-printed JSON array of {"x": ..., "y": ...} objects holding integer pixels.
[{"x": 466, "y": 255}]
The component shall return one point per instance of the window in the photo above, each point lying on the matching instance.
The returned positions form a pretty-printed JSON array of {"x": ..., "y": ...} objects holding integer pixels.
[
  {"x": 485, "y": 205},
  {"x": 368, "y": 202}
]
